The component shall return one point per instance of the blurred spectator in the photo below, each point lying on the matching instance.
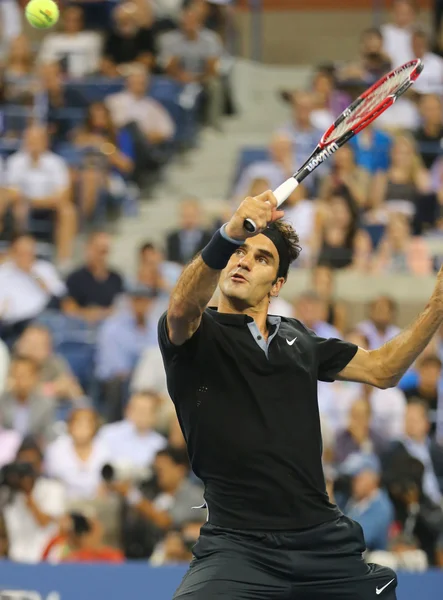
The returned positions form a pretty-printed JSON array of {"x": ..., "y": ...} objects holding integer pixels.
[
  {"x": 176, "y": 548},
  {"x": 55, "y": 375},
  {"x": 10, "y": 441},
  {"x": 84, "y": 542},
  {"x": 127, "y": 42},
  {"x": 358, "y": 437},
  {"x": 404, "y": 555},
  {"x": 27, "y": 287},
  {"x": 149, "y": 374},
  {"x": 431, "y": 79},
  {"x": 428, "y": 371},
  {"x": 10, "y": 23},
  {"x": 397, "y": 35},
  {"x": 154, "y": 272},
  {"x": 328, "y": 101},
  {"x": 134, "y": 436},
  {"x": 311, "y": 310},
  {"x": 77, "y": 50},
  {"x": 302, "y": 214},
  {"x": 372, "y": 149},
  {"x": 416, "y": 444},
  {"x": 190, "y": 237},
  {"x": 369, "y": 504},
  {"x": 398, "y": 188},
  {"x": 380, "y": 327},
  {"x": 346, "y": 178},
  {"x": 4, "y": 366},
  {"x": 77, "y": 457},
  {"x": 429, "y": 135},
  {"x": 135, "y": 326},
  {"x": 372, "y": 63},
  {"x": 277, "y": 169},
  {"x": 39, "y": 186},
  {"x": 36, "y": 503},
  {"x": 23, "y": 406},
  {"x": 323, "y": 285},
  {"x": 340, "y": 243},
  {"x": 175, "y": 437},
  {"x": 191, "y": 55},
  {"x": 19, "y": 68},
  {"x": 400, "y": 252},
  {"x": 108, "y": 161},
  {"x": 93, "y": 288},
  {"x": 167, "y": 13}
]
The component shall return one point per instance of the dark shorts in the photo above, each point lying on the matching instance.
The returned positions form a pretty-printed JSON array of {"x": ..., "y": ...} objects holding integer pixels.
[{"x": 321, "y": 563}]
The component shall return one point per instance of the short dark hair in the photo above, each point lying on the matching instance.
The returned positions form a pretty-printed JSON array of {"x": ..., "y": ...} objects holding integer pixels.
[
  {"x": 390, "y": 301},
  {"x": 29, "y": 443},
  {"x": 179, "y": 456},
  {"x": 291, "y": 240},
  {"x": 146, "y": 246}
]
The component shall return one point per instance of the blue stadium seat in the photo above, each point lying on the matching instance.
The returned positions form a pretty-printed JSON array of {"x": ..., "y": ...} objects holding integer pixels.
[
  {"x": 80, "y": 355},
  {"x": 17, "y": 118},
  {"x": 247, "y": 157},
  {"x": 95, "y": 89}
]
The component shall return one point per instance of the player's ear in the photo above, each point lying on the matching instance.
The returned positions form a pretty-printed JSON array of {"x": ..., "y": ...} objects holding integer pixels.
[{"x": 276, "y": 286}]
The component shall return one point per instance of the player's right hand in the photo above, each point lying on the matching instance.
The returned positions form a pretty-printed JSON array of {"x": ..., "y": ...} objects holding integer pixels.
[{"x": 261, "y": 209}]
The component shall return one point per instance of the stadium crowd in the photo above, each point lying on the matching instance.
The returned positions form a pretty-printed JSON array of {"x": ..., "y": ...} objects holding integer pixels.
[{"x": 93, "y": 462}]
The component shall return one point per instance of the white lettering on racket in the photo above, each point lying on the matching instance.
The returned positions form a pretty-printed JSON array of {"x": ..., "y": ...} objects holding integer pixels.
[{"x": 322, "y": 156}]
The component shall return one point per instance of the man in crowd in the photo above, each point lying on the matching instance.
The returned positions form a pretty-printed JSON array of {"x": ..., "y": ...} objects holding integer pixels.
[
  {"x": 191, "y": 237},
  {"x": 93, "y": 288},
  {"x": 430, "y": 133},
  {"x": 380, "y": 327},
  {"x": 426, "y": 388}
]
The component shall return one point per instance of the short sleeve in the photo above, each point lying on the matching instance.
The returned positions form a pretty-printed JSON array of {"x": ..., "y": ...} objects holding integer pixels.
[
  {"x": 168, "y": 349},
  {"x": 333, "y": 356},
  {"x": 75, "y": 287}
]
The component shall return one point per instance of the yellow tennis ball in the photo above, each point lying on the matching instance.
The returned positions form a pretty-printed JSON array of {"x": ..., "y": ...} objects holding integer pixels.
[{"x": 42, "y": 14}]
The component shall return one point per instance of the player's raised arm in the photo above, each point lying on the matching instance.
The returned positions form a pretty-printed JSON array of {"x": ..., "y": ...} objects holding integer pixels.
[
  {"x": 199, "y": 279},
  {"x": 385, "y": 366}
]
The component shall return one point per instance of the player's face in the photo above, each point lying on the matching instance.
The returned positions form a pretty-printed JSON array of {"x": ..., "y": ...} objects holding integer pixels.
[{"x": 251, "y": 272}]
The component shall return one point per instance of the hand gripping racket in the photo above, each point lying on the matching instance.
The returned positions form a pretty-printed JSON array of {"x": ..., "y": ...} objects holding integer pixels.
[{"x": 370, "y": 105}]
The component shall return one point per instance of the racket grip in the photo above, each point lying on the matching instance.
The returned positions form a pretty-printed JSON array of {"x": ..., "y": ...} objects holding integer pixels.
[{"x": 282, "y": 193}]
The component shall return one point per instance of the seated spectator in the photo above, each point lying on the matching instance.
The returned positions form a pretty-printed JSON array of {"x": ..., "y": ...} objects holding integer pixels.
[
  {"x": 19, "y": 71},
  {"x": 397, "y": 35},
  {"x": 36, "y": 505},
  {"x": 93, "y": 288},
  {"x": 429, "y": 372},
  {"x": 135, "y": 326},
  {"x": 369, "y": 505},
  {"x": 23, "y": 406},
  {"x": 277, "y": 169},
  {"x": 372, "y": 149},
  {"x": 346, "y": 178},
  {"x": 404, "y": 554},
  {"x": 39, "y": 186},
  {"x": 84, "y": 542},
  {"x": 108, "y": 161},
  {"x": 167, "y": 14},
  {"x": 134, "y": 436},
  {"x": 78, "y": 457},
  {"x": 397, "y": 189},
  {"x": 400, "y": 252},
  {"x": 431, "y": 79},
  {"x": 339, "y": 242},
  {"x": 323, "y": 285},
  {"x": 191, "y": 55},
  {"x": 429, "y": 135},
  {"x": 154, "y": 272},
  {"x": 56, "y": 378},
  {"x": 10, "y": 441},
  {"x": 27, "y": 287},
  {"x": 358, "y": 437},
  {"x": 302, "y": 214},
  {"x": 77, "y": 50},
  {"x": 190, "y": 237},
  {"x": 176, "y": 548},
  {"x": 311, "y": 310},
  {"x": 127, "y": 42},
  {"x": 416, "y": 444},
  {"x": 328, "y": 101},
  {"x": 380, "y": 327},
  {"x": 372, "y": 62},
  {"x": 10, "y": 23}
]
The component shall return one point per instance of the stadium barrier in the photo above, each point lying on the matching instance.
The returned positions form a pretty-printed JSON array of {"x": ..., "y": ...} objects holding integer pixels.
[{"x": 139, "y": 582}]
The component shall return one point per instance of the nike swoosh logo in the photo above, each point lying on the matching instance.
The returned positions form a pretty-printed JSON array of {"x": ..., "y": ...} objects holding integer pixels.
[
  {"x": 290, "y": 342},
  {"x": 378, "y": 591}
]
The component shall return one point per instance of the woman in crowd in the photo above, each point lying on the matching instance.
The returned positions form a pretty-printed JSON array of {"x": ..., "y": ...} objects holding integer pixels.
[
  {"x": 323, "y": 284},
  {"x": 346, "y": 178},
  {"x": 340, "y": 243},
  {"x": 108, "y": 160},
  {"x": 77, "y": 458},
  {"x": 19, "y": 71}
]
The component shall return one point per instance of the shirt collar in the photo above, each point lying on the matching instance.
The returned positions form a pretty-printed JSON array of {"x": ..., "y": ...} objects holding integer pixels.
[{"x": 239, "y": 320}]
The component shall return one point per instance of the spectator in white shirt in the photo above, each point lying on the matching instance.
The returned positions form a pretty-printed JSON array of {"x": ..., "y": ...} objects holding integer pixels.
[
  {"x": 380, "y": 327},
  {"x": 397, "y": 35},
  {"x": 134, "y": 436},
  {"x": 431, "y": 79},
  {"x": 39, "y": 181},
  {"x": 27, "y": 287},
  {"x": 10, "y": 23},
  {"x": 77, "y": 458},
  {"x": 77, "y": 50},
  {"x": 37, "y": 504},
  {"x": 133, "y": 105}
]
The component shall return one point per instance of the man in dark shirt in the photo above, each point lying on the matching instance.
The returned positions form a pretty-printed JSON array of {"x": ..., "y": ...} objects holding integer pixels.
[
  {"x": 127, "y": 42},
  {"x": 245, "y": 390},
  {"x": 93, "y": 288},
  {"x": 184, "y": 243},
  {"x": 430, "y": 134}
]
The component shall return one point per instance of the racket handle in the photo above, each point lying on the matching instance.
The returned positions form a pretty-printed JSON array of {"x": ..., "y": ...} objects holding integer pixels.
[{"x": 282, "y": 193}]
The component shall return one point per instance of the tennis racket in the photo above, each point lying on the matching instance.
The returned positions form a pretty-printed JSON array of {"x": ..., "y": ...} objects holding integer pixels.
[{"x": 365, "y": 109}]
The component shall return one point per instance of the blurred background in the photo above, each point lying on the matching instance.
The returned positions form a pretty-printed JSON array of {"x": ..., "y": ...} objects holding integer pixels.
[{"x": 129, "y": 134}]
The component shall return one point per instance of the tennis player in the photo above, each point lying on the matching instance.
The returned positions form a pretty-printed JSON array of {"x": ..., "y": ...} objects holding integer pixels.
[{"x": 244, "y": 385}]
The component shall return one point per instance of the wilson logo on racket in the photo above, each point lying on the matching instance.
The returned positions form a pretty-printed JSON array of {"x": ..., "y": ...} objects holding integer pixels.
[{"x": 321, "y": 156}]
